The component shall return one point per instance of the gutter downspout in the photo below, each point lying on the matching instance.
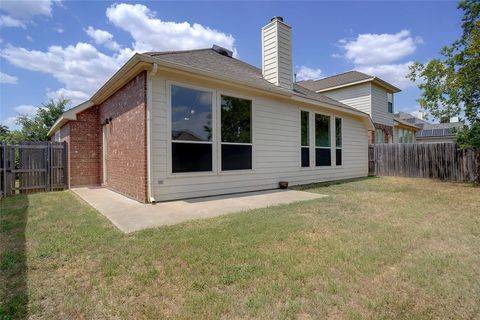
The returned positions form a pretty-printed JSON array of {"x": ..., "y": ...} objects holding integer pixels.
[{"x": 150, "y": 75}]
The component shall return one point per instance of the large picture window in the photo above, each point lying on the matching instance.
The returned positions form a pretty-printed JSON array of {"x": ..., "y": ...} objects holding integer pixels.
[
  {"x": 191, "y": 129},
  {"x": 338, "y": 141},
  {"x": 323, "y": 155},
  {"x": 236, "y": 132},
  {"x": 305, "y": 138}
]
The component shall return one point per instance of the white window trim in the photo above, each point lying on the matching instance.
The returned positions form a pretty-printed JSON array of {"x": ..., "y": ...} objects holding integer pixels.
[
  {"x": 170, "y": 172},
  {"x": 332, "y": 152},
  {"x": 216, "y": 133},
  {"x": 335, "y": 141},
  {"x": 309, "y": 138},
  {"x": 312, "y": 154},
  {"x": 218, "y": 122}
]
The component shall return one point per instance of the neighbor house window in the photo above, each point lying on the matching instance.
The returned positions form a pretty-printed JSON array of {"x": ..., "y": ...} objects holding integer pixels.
[
  {"x": 56, "y": 137},
  {"x": 305, "y": 138},
  {"x": 236, "y": 127},
  {"x": 379, "y": 137},
  {"x": 390, "y": 102},
  {"x": 338, "y": 141},
  {"x": 191, "y": 129},
  {"x": 323, "y": 155}
]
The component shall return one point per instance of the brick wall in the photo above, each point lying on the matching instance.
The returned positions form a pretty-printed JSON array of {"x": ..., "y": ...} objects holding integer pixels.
[
  {"x": 84, "y": 148},
  {"x": 387, "y": 132},
  {"x": 126, "y": 161}
]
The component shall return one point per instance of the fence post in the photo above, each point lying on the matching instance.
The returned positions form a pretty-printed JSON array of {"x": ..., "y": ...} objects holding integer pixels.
[
  {"x": 65, "y": 165},
  {"x": 4, "y": 169}
]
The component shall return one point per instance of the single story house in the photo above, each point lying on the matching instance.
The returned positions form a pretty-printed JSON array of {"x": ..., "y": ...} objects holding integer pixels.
[
  {"x": 403, "y": 131},
  {"x": 183, "y": 124},
  {"x": 431, "y": 132}
]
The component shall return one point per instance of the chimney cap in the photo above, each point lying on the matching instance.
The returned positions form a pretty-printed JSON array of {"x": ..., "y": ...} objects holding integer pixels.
[{"x": 279, "y": 18}]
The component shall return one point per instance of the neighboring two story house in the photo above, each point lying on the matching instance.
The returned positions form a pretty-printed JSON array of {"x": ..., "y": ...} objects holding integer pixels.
[{"x": 366, "y": 93}]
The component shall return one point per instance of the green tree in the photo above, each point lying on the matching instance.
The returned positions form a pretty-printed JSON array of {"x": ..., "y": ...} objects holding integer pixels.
[
  {"x": 450, "y": 85},
  {"x": 36, "y": 128},
  {"x": 3, "y": 131}
]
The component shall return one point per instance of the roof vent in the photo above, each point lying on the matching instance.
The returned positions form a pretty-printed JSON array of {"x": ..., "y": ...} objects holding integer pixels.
[
  {"x": 277, "y": 18},
  {"x": 222, "y": 51}
]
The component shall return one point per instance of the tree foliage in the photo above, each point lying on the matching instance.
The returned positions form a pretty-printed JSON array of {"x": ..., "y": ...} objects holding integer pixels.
[
  {"x": 450, "y": 85},
  {"x": 35, "y": 128}
]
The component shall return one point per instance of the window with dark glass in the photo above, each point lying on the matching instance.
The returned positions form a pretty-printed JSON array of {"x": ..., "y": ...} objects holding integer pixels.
[
  {"x": 191, "y": 129},
  {"x": 236, "y": 132},
  {"x": 390, "y": 102},
  {"x": 338, "y": 141},
  {"x": 305, "y": 138},
  {"x": 323, "y": 156}
]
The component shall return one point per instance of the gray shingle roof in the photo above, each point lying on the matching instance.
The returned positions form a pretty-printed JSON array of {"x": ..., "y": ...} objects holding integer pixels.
[
  {"x": 439, "y": 129},
  {"x": 429, "y": 129},
  {"x": 213, "y": 62},
  {"x": 406, "y": 123},
  {"x": 343, "y": 79},
  {"x": 336, "y": 80}
]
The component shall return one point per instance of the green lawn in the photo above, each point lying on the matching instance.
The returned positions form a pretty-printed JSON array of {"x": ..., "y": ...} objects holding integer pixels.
[{"x": 375, "y": 248}]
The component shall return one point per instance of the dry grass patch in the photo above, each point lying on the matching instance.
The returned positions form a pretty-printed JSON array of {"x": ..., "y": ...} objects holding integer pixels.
[{"x": 375, "y": 248}]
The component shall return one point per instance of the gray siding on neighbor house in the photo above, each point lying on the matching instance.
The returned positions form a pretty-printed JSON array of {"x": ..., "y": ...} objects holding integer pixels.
[
  {"x": 358, "y": 96},
  {"x": 366, "y": 97},
  {"x": 276, "y": 151},
  {"x": 380, "y": 112}
]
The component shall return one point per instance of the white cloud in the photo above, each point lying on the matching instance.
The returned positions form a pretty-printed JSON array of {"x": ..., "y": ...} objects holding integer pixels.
[
  {"x": 59, "y": 29},
  {"x": 152, "y": 34},
  {"x": 27, "y": 9},
  {"x": 75, "y": 97},
  {"x": 10, "y": 122},
  {"x": 102, "y": 37},
  {"x": 306, "y": 73},
  {"x": 7, "y": 21},
  {"x": 6, "y": 78},
  {"x": 26, "y": 109},
  {"x": 81, "y": 68},
  {"x": 381, "y": 55},
  {"x": 368, "y": 49},
  {"x": 392, "y": 73}
]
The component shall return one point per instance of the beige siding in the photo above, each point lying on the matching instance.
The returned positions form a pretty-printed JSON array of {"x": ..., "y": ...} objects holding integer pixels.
[
  {"x": 276, "y": 153},
  {"x": 277, "y": 54},
  {"x": 358, "y": 96},
  {"x": 380, "y": 112}
]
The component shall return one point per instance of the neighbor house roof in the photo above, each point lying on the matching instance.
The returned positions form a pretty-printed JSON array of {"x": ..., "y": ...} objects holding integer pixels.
[
  {"x": 407, "y": 117},
  {"x": 215, "y": 65},
  {"x": 429, "y": 130},
  {"x": 345, "y": 79},
  {"x": 439, "y": 130},
  {"x": 403, "y": 123}
]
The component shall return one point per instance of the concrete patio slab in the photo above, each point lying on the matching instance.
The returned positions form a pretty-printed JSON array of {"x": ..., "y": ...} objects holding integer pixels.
[{"x": 129, "y": 215}]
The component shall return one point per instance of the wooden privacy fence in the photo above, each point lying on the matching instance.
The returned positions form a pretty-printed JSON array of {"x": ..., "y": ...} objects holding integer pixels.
[
  {"x": 443, "y": 161},
  {"x": 32, "y": 166}
]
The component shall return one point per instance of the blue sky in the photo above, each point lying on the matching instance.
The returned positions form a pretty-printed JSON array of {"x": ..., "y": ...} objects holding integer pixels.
[{"x": 51, "y": 48}]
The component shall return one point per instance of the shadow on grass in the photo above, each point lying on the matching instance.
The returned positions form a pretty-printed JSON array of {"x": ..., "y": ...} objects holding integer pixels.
[
  {"x": 13, "y": 260},
  {"x": 330, "y": 183}
]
